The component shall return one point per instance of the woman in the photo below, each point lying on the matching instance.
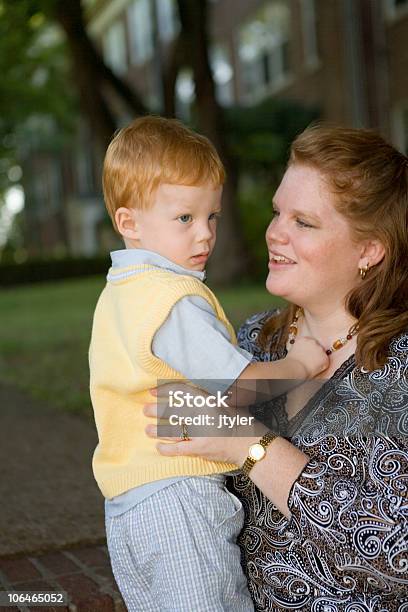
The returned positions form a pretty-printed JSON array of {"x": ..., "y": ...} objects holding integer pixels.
[{"x": 327, "y": 508}]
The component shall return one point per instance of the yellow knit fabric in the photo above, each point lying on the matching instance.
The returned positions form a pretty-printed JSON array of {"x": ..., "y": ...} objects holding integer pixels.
[{"x": 123, "y": 369}]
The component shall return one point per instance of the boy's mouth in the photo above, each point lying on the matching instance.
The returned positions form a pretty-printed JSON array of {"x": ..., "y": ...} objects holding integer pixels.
[{"x": 201, "y": 257}]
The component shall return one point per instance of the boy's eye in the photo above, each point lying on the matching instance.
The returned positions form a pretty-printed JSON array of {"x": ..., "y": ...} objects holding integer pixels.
[
  {"x": 185, "y": 218},
  {"x": 215, "y": 215},
  {"x": 303, "y": 223}
]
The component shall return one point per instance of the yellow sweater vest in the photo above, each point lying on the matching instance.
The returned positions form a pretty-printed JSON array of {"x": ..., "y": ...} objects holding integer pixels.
[{"x": 123, "y": 369}]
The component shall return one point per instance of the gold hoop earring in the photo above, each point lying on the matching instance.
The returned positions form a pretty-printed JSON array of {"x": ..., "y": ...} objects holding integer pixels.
[{"x": 363, "y": 271}]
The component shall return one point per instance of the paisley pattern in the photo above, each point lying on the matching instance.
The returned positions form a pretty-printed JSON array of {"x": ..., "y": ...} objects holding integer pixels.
[{"x": 345, "y": 548}]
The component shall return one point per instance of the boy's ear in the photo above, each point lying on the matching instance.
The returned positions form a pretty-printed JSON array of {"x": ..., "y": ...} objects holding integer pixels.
[{"x": 126, "y": 222}]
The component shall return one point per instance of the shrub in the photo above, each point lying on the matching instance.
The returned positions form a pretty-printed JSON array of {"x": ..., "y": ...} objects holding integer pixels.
[{"x": 42, "y": 270}]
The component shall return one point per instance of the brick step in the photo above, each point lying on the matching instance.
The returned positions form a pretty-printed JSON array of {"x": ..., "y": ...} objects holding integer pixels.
[{"x": 83, "y": 573}]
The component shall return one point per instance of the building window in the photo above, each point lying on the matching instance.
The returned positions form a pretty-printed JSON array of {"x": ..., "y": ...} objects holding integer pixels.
[
  {"x": 185, "y": 93},
  {"x": 222, "y": 73},
  {"x": 114, "y": 48},
  {"x": 405, "y": 130},
  {"x": 396, "y": 8},
  {"x": 309, "y": 31},
  {"x": 167, "y": 19},
  {"x": 400, "y": 127},
  {"x": 140, "y": 31},
  {"x": 264, "y": 49}
]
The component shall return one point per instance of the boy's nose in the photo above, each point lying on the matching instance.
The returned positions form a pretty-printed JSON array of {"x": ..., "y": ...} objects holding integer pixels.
[{"x": 204, "y": 232}]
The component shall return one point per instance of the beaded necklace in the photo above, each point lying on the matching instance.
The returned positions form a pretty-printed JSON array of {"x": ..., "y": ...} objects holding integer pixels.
[{"x": 337, "y": 344}]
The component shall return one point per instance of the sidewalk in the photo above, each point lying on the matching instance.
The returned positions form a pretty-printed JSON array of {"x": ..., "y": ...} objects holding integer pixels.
[{"x": 51, "y": 512}]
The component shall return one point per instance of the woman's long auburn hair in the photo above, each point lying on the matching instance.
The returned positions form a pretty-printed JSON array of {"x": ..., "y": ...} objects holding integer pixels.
[{"x": 369, "y": 179}]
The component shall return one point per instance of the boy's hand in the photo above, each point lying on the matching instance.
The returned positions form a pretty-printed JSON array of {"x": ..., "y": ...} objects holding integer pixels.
[{"x": 309, "y": 355}]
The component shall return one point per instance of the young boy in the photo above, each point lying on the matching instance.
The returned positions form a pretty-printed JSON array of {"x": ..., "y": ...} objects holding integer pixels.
[{"x": 171, "y": 524}]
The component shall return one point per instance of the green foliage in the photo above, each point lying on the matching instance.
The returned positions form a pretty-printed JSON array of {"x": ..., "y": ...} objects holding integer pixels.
[
  {"x": 39, "y": 271},
  {"x": 33, "y": 84},
  {"x": 255, "y": 205},
  {"x": 260, "y": 136}
]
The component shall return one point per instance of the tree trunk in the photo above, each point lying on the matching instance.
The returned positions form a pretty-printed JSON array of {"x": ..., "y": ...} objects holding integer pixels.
[
  {"x": 94, "y": 78},
  {"x": 91, "y": 73},
  {"x": 229, "y": 260},
  {"x": 171, "y": 66}
]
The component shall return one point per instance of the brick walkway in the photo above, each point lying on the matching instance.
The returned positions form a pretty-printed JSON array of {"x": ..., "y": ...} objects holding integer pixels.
[
  {"x": 83, "y": 573},
  {"x": 51, "y": 511}
]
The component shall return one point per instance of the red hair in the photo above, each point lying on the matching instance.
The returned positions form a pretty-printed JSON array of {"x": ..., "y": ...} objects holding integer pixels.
[
  {"x": 369, "y": 179},
  {"x": 154, "y": 150}
]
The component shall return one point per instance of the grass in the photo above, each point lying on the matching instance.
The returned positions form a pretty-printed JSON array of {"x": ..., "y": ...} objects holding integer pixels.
[{"x": 45, "y": 333}]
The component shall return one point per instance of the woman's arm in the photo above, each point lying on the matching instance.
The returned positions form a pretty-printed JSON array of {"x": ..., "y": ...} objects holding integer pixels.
[
  {"x": 350, "y": 500},
  {"x": 274, "y": 475}
]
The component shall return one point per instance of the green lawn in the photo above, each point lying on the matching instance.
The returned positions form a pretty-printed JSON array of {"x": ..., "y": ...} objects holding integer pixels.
[{"x": 45, "y": 330}]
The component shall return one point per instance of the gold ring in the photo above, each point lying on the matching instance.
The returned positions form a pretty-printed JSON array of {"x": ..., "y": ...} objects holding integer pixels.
[{"x": 184, "y": 432}]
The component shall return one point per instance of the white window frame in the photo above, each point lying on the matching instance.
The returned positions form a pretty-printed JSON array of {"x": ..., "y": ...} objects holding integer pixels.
[
  {"x": 140, "y": 34},
  {"x": 117, "y": 60},
  {"x": 168, "y": 22},
  {"x": 274, "y": 55},
  {"x": 184, "y": 102},
  {"x": 224, "y": 89}
]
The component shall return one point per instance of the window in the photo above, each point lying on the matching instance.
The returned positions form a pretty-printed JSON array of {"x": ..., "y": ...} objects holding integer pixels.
[
  {"x": 140, "y": 31},
  {"x": 167, "y": 19},
  {"x": 264, "y": 49},
  {"x": 185, "y": 93},
  {"x": 114, "y": 47},
  {"x": 405, "y": 130},
  {"x": 400, "y": 127},
  {"x": 396, "y": 8},
  {"x": 222, "y": 72},
  {"x": 310, "y": 45}
]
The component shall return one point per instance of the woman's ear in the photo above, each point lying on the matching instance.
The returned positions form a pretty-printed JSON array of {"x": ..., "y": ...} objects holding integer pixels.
[
  {"x": 126, "y": 222},
  {"x": 372, "y": 253}
]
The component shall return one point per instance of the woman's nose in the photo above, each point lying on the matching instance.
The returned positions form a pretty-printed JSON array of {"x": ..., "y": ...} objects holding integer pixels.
[{"x": 276, "y": 232}]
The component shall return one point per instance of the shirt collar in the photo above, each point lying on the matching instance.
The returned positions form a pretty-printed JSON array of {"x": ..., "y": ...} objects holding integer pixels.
[{"x": 131, "y": 257}]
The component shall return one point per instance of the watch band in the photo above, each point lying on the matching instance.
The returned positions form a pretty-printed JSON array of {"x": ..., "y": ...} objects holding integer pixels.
[{"x": 264, "y": 442}]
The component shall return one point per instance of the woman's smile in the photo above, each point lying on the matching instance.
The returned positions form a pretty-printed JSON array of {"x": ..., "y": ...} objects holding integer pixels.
[{"x": 278, "y": 261}]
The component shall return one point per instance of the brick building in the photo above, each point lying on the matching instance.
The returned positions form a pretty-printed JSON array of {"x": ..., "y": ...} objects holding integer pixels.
[{"x": 349, "y": 58}]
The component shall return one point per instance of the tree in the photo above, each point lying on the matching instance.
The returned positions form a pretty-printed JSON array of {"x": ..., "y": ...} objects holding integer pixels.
[
  {"x": 97, "y": 83},
  {"x": 33, "y": 79},
  {"x": 36, "y": 109},
  {"x": 93, "y": 78},
  {"x": 229, "y": 260}
]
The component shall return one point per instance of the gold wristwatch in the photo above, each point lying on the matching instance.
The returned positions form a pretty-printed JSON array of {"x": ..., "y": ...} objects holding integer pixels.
[{"x": 257, "y": 452}]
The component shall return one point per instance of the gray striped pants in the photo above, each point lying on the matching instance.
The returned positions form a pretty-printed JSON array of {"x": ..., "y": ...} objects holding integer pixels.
[{"x": 176, "y": 550}]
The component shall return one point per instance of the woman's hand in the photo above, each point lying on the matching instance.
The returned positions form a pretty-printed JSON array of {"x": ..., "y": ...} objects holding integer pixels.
[
  {"x": 230, "y": 449},
  {"x": 274, "y": 475}
]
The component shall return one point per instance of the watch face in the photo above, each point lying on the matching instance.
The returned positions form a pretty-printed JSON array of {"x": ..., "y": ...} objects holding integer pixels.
[{"x": 256, "y": 451}]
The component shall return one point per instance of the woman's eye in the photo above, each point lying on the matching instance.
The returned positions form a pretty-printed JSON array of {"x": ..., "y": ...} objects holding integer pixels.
[
  {"x": 185, "y": 218},
  {"x": 275, "y": 213}
]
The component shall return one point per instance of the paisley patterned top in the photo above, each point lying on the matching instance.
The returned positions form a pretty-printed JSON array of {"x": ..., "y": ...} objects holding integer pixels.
[{"x": 345, "y": 547}]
